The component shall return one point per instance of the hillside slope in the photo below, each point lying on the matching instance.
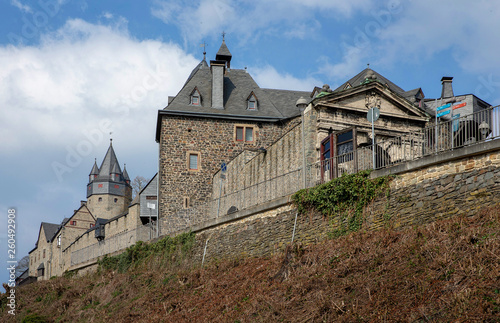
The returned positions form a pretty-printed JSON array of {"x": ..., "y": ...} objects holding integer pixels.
[{"x": 444, "y": 271}]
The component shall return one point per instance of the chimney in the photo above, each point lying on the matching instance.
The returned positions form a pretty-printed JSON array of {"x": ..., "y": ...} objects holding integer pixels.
[
  {"x": 447, "y": 90},
  {"x": 218, "y": 69}
]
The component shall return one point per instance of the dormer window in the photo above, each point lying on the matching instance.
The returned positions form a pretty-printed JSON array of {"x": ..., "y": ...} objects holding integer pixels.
[
  {"x": 347, "y": 86},
  {"x": 195, "y": 97},
  {"x": 252, "y": 102}
]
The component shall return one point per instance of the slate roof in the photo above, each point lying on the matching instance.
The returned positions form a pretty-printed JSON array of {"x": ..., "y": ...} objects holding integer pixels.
[
  {"x": 95, "y": 169},
  {"x": 238, "y": 84},
  {"x": 50, "y": 230},
  {"x": 125, "y": 174},
  {"x": 223, "y": 53},
  {"x": 109, "y": 164}
]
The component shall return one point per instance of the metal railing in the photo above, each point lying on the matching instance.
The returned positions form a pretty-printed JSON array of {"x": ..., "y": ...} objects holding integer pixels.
[
  {"x": 261, "y": 192},
  {"x": 447, "y": 135}
]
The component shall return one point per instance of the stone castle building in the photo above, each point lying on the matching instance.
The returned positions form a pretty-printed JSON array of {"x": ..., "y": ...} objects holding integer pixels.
[
  {"x": 227, "y": 145},
  {"x": 218, "y": 113},
  {"x": 106, "y": 222}
]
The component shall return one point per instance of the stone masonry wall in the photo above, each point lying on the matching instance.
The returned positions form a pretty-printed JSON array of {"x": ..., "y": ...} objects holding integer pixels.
[
  {"x": 460, "y": 187},
  {"x": 214, "y": 140}
]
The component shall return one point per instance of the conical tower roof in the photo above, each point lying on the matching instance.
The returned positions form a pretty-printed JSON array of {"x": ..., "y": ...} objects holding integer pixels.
[
  {"x": 109, "y": 164},
  {"x": 125, "y": 174},
  {"x": 95, "y": 169}
]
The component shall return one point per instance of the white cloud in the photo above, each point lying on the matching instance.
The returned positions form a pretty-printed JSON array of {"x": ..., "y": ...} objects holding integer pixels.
[
  {"x": 468, "y": 31},
  {"x": 20, "y": 6},
  {"x": 268, "y": 77},
  {"x": 250, "y": 19},
  {"x": 82, "y": 74}
]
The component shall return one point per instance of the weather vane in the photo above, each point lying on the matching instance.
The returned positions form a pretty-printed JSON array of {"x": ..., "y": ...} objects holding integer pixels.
[
  {"x": 223, "y": 35},
  {"x": 204, "y": 45}
]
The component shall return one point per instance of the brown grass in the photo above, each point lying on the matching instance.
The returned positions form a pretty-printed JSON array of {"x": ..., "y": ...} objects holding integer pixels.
[{"x": 446, "y": 271}]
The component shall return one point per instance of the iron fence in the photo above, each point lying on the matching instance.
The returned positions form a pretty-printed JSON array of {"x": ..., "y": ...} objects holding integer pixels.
[
  {"x": 444, "y": 136},
  {"x": 259, "y": 193}
]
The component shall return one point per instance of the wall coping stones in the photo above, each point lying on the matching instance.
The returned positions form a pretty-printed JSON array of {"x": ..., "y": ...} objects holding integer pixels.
[
  {"x": 260, "y": 208},
  {"x": 459, "y": 153}
]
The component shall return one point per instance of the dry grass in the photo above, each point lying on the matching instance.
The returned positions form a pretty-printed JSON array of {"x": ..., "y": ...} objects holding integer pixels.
[{"x": 447, "y": 271}]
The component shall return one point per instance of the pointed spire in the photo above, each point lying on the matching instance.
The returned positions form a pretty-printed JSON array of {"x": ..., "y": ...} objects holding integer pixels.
[
  {"x": 125, "y": 174},
  {"x": 224, "y": 54},
  {"x": 95, "y": 169},
  {"x": 94, "y": 172},
  {"x": 109, "y": 164}
]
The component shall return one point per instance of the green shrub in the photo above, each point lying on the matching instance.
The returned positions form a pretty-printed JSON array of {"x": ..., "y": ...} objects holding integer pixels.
[
  {"x": 343, "y": 198},
  {"x": 166, "y": 248}
]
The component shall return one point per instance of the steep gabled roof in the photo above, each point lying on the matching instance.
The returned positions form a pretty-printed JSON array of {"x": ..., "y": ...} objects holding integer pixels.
[{"x": 50, "y": 230}]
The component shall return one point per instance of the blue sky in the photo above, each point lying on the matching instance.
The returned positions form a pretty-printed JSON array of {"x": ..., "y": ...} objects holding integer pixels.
[{"x": 73, "y": 71}]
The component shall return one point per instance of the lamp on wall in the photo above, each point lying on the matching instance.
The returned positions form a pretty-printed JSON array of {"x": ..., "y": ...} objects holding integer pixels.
[{"x": 302, "y": 104}]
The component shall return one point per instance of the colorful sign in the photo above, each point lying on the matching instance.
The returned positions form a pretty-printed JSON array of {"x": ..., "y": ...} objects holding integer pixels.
[
  {"x": 456, "y": 122},
  {"x": 443, "y": 113},
  {"x": 446, "y": 106},
  {"x": 459, "y": 105}
]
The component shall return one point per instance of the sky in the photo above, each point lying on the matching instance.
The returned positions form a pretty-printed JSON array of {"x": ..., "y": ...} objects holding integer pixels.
[{"x": 75, "y": 73}]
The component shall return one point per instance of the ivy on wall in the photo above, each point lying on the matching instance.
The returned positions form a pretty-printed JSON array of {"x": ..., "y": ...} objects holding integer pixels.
[{"x": 343, "y": 199}]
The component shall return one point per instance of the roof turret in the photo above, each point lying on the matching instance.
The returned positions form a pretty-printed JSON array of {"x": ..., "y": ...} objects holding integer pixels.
[
  {"x": 95, "y": 169},
  {"x": 125, "y": 174},
  {"x": 224, "y": 54}
]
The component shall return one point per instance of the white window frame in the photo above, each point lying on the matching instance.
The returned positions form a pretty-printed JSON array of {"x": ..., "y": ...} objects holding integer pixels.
[{"x": 198, "y": 161}]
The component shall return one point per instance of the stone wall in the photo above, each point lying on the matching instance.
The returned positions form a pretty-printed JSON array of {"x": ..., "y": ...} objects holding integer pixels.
[
  {"x": 461, "y": 186},
  {"x": 254, "y": 177},
  {"x": 214, "y": 140},
  {"x": 120, "y": 233},
  {"x": 109, "y": 205}
]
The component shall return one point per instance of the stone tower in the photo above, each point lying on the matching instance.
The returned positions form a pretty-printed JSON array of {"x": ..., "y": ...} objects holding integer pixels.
[{"x": 109, "y": 192}]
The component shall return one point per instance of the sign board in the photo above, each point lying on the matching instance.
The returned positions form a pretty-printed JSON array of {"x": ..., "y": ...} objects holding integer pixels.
[
  {"x": 443, "y": 113},
  {"x": 373, "y": 114},
  {"x": 459, "y": 105},
  {"x": 456, "y": 122},
  {"x": 446, "y": 106},
  {"x": 151, "y": 206},
  {"x": 223, "y": 167}
]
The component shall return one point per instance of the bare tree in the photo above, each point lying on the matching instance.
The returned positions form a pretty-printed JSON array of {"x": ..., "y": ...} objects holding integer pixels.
[{"x": 138, "y": 184}]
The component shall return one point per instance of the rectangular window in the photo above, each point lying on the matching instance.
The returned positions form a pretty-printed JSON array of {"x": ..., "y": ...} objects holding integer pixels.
[
  {"x": 43, "y": 253},
  {"x": 194, "y": 161},
  {"x": 239, "y": 133},
  {"x": 248, "y": 134},
  {"x": 59, "y": 241},
  {"x": 245, "y": 134},
  {"x": 194, "y": 100},
  {"x": 252, "y": 105},
  {"x": 72, "y": 223}
]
